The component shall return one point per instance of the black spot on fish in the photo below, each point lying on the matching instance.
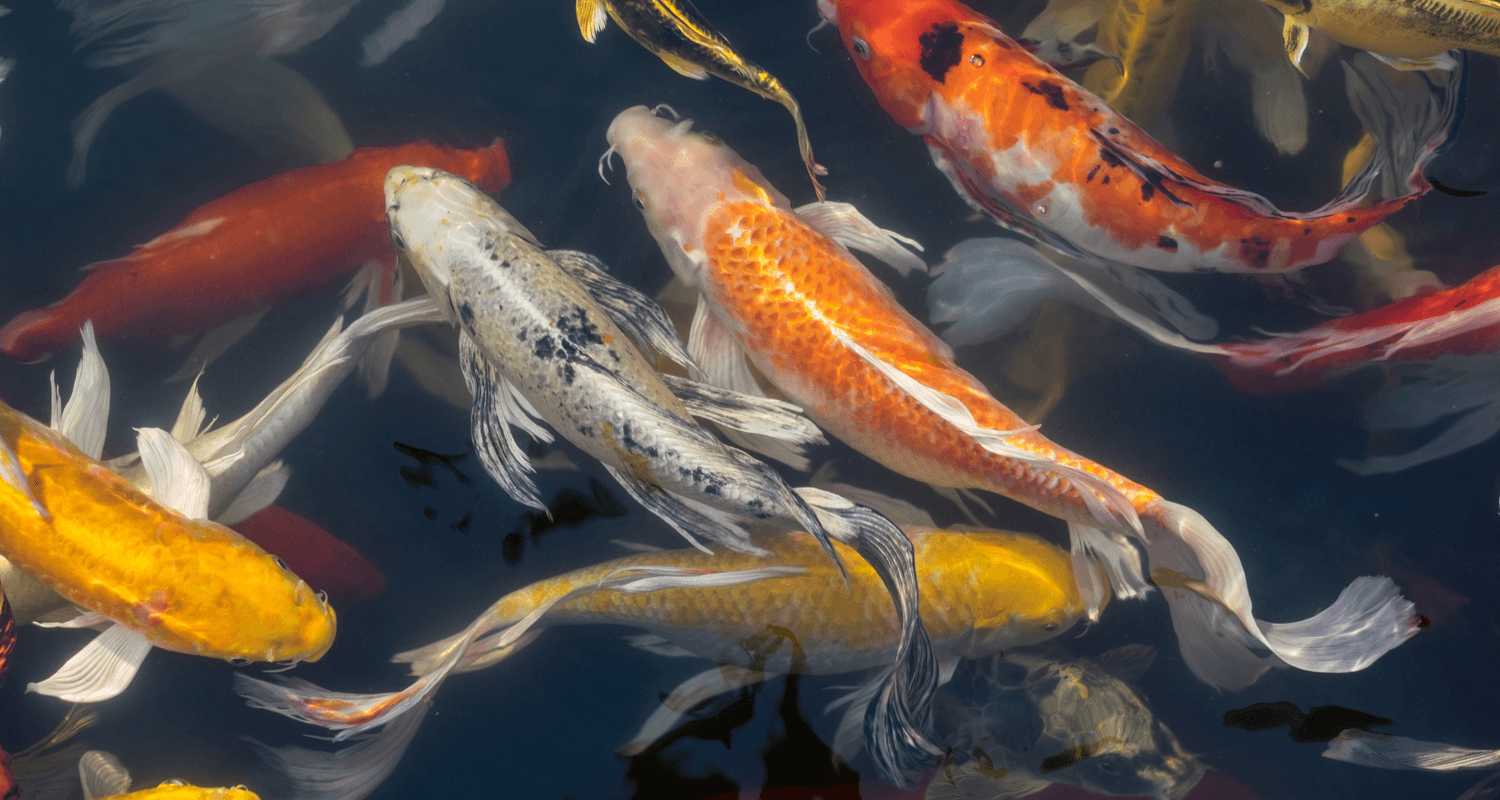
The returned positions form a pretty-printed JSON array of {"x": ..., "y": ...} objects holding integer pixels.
[
  {"x": 1167, "y": 243},
  {"x": 1092, "y": 173},
  {"x": 630, "y": 443},
  {"x": 1052, "y": 90},
  {"x": 546, "y": 348},
  {"x": 1448, "y": 190},
  {"x": 1114, "y": 131},
  {"x": 1105, "y": 181},
  {"x": 1110, "y": 159},
  {"x": 1147, "y": 192},
  {"x": 569, "y": 374},
  {"x": 1349, "y": 220},
  {"x": 466, "y": 315},
  {"x": 942, "y": 49},
  {"x": 1320, "y": 724}
]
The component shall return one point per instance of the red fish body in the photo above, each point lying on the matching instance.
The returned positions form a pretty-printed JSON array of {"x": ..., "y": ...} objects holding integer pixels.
[
  {"x": 1045, "y": 157},
  {"x": 260, "y": 244},
  {"x": 327, "y": 563},
  {"x": 1462, "y": 321}
]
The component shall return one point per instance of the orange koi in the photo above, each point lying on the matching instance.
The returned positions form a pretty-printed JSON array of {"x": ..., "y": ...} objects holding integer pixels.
[
  {"x": 1461, "y": 321},
  {"x": 779, "y": 287},
  {"x": 152, "y": 565},
  {"x": 253, "y": 247},
  {"x": 1045, "y": 157}
]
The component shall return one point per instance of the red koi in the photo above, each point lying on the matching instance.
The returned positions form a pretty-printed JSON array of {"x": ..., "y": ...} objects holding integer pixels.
[
  {"x": 1462, "y": 321},
  {"x": 1047, "y": 158},
  {"x": 327, "y": 563},
  {"x": 255, "y": 246}
]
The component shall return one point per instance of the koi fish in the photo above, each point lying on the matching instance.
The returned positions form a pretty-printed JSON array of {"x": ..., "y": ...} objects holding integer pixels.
[
  {"x": 547, "y": 336},
  {"x": 1407, "y": 34},
  {"x": 980, "y": 594},
  {"x": 105, "y": 778},
  {"x": 681, "y": 37},
  {"x": 1046, "y": 158},
  {"x": 150, "y": 564},
  {"x": 255, "y": 246},
  {"x": 327, "y": 563},
  {"x": 1016, "y": 723},
  {"x": 779, "y": 287}
]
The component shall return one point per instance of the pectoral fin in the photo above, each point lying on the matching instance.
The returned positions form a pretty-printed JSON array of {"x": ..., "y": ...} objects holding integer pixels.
[
  {"x": 101, "y": 670},
  {"x": 592, "y": 17},
  {"x": 637, "y": 315},
  {"x": 844, "y": 224},
  {"x": 1294, "y": 36},
  {"x": 262, "y": 491},
  {"x": 682, "y": 66},
  {"x": 752, "y": 414},
  {"x": 177, "y": 480},
  {"x": 85, "y": 417},
  {"x": 14, "y": 476},
  {"x": 494, "y": 411}
]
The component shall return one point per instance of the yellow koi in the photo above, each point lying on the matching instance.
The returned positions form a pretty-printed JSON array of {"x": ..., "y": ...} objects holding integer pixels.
[
  {"x": 182, "y": 791},
  {"x": 1407, "y": 34},
  {"x": 681, "y": 37}
]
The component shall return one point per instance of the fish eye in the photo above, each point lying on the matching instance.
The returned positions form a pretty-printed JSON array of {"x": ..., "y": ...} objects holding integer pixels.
[
  {"x": 640, "y": 199},
  {"x": 1050, "y": 627},
  {"x": 282, "y": 564},
  {"x": 861, "y": 49}
]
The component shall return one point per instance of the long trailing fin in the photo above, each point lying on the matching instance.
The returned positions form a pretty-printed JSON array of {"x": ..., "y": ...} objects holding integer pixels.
[
  {"x": 176, "y": 479},
  {"x": 592, "y": 18},
  {"x": 403, "y": 25},
  {"x": 636, "y": 314},
  {"x": 1384, "y": 751},
  {"x": 102, "y": 775},
  {"x": 754, "y": 414},
  {"x": 86, "y": 416},
  {"x": 190, "y": 416},
  {"x": 705, "y": 685},
  {"x": 898, "y": 723},
  {"x": 689, "y": 518},
  {"x": 1119, "y": 559},
  {"x": 1105, "y": 502},
  {"x": 1201, "y": 576},
  {"x": 262, "y": 491},
  {"x": 493, "y": 413},
  {"x": 100, "y": 671},
  {"x": 351, "y": 773},
  {"x": 1410, "y": 114},
  {"x": 215, "y": 343},
  {"x": 844, "y": 224}
]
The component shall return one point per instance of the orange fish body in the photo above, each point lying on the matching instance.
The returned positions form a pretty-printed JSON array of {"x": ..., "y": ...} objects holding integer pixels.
[
  {"x": 191, "y": 586},
  {"x": 1462, "y": 321},
  {"x": 1047, "y": 158},
  {"x": 833, "y": 339},
  {"x": 257, "y": 245}
]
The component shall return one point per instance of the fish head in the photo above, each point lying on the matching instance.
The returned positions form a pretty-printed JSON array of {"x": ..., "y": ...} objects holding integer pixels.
[
  {"x": 677, "y": 177},
  {"x": 902, "y": 50},
  {"x": 428, "y": 210},
  {"x": 1036, "y": 600}
]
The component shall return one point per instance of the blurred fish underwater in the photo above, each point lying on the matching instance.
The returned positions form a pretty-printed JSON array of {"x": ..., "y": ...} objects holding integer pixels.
[{"x": 1331, "y": 405}]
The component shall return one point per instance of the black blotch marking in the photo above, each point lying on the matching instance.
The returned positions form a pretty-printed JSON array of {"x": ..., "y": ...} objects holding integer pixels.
[
  {"x": 466, "y": 314},
  {"x": 1448, "y": 190},
  {"x": 1114, "y": 131},
  {"x": 942, "y": 49},
  {"x": 1105, "y": 181},
  {"x": 421, "y": 474},
  {"x": 1052, "y": 90},
  {"x": 633, "y": 445},
  {"x": 1349, "y": 220},
  {"x": 1092, "y": 173},
  {"x": 1167, "y": 243},
  {"x": 1070, "y": 756},
  {"x": 1423, "y": 621},
  {"x": 1147, "y": 192},
  {"x": 1320, "y": 724}
]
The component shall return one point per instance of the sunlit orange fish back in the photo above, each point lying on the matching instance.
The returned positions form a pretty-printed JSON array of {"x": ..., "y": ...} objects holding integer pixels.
[
  {"x": 266, "y": 242},
  {"x": 191, "y": 586}
]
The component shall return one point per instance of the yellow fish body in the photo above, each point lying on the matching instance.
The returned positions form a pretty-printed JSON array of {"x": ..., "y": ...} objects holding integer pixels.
[
  {"x": 681, "y": 37},
  {"x": 180, "y": 791},
  {"x": 1408, "y": 34},
  {"x": 1151, "y": 39},
  {"x": 187, "y": 585}
]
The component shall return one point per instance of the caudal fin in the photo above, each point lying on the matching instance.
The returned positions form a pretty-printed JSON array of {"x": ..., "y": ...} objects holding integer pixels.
[
  {"x": 1204, "y": 582},
  {"x": 898, "y": 722}
]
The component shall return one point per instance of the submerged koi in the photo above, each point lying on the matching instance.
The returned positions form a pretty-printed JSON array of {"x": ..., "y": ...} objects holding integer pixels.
[
  {"x": 832, "y": 338},
  {"x": 164, "y": 575},
  {"x": 681, "y": 37},
  {"x": 788, "y": 610},
  {"x": 325, "y": 561},
  {"x": 105, "y": 778},
  {"x": 255, "y": 246},
  {"x": 547, "y": 336},
  {"x": 1407, "y": 34},
  {"x": 1046, "y": 158}
]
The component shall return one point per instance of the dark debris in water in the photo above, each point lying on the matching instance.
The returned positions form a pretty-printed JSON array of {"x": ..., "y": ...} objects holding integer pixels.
[{"x": 1320, "y": 724}]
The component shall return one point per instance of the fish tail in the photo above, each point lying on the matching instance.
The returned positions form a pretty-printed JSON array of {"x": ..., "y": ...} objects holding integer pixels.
[
  {"x": 804, "y": 144},
  {"x": 1204, "y": 582},
  {"x": 898, "y": 721},
  {"x": 32, "y": 335}
]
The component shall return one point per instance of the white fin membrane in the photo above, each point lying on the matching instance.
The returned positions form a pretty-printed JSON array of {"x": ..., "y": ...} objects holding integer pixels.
[
  {"x": 102, "y": 775},
  {"x": 403, "y": 25},
  {"x": 844, "y": 224},
  {"x": 1398, "y": 752},
  {"x": 85, "y": 418},
  {"x": 493, "y": 412},
  {"x": 263, "y": 490},
  {"x": 100, "y": 671},
  {"x": 215, "y": 343},
  {"x": 640, "y": 317},
  {"x": 176, "y": 479},
  {"x": 705, "y": 685},
  {"x": 758, "y": 415},
  {"x": 659, "y": 646},
  {"x": 352, "y": 773}
]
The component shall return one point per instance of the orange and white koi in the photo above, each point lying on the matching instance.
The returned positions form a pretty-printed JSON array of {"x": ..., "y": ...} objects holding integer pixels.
[
  {"x": 778, "y": 286},
  {"x": 253, "y": 247},
  {"x": 1047, "y": 158},
  {"x": 787, "y": 611},
  {"x": 150, "y": 564}
]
